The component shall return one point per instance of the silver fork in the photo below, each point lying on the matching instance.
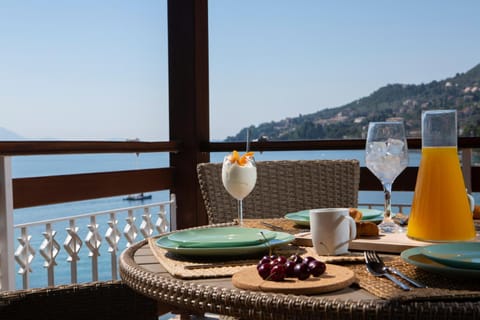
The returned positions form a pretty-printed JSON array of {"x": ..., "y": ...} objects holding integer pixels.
[
  {"x": 377, "y": 258},
  {"x": 378, "y": 269}
]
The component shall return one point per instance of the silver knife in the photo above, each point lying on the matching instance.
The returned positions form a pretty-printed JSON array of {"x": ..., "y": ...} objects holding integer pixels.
[{"x": 400, "y": 274}]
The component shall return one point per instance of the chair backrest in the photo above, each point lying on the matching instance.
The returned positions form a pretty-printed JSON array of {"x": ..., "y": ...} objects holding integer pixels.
[
  {"x": 282, "y": 187},
  {"x": 106, "y": 300}
]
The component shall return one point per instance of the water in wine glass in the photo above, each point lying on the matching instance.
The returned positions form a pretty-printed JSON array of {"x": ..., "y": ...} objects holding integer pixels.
[
  {"x": 239, "y": 175},
  {"x": 386, "y": 155},
  {"x": 386, "y": 159}
]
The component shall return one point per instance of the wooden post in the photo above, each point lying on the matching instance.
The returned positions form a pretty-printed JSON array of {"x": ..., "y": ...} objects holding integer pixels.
[
  {"x": 467, "y": 168},
  {"x": 7, "y": 261},
  {"x": 188, "y": 103}
]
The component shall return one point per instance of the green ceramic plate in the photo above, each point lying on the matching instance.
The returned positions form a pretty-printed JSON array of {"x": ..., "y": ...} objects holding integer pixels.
[
  {"x": 303, "y": 217},
  {"x": 459, "y": 255},
  {"x": 414, "y": 256},
  {"x": 171, "y": 246},
  {"x": 370, "y": 214},
  {"x": 221, "y": 237}
]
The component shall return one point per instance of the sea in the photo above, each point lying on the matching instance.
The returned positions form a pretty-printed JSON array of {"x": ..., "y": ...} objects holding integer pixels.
[{"x": 45, "y": 165}]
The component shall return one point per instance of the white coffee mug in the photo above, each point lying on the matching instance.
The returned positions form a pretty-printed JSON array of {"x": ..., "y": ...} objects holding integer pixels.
[{"x": 332, "y": 230}]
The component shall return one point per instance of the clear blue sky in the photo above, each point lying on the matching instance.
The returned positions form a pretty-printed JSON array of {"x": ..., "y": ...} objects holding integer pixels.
[{"x": 98, "y": 69}]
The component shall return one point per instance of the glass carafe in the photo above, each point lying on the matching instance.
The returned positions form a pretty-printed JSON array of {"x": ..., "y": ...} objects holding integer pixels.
[{"x": 440, "y": 209}]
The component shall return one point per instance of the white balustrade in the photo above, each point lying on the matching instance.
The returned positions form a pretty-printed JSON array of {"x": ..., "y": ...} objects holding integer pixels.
[{"x": 92, "y": 226}]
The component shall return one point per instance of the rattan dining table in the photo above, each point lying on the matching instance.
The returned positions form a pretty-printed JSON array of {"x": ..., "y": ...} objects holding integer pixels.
[{"x": 367, "y": 298}]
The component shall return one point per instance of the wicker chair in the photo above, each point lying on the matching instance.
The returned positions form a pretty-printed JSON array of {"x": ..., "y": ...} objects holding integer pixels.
[
  {"x": 96, "y": 300},
  {"x": 282, "y": 187}
]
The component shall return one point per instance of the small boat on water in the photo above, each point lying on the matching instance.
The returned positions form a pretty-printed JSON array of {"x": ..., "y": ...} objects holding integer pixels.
[{"x": 138, "y": 196}]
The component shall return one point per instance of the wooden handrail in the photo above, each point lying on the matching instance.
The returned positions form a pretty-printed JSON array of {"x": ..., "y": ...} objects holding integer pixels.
[
  {"x": 70, "y": 147},
  {"x": 307, "y": 145},
  {"x": 21, "y": 148}
]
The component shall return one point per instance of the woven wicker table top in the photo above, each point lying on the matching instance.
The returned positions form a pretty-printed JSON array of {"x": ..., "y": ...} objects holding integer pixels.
[{"x": 368, "y": 298}]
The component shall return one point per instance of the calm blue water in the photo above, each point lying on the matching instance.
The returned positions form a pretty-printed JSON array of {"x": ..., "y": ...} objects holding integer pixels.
[{"x": 31, "y": 166}]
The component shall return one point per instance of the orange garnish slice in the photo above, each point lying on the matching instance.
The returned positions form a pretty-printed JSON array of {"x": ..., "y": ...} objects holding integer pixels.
[
  {"x": 241, "y": 161},
  {"x": 234, "y": 156}
]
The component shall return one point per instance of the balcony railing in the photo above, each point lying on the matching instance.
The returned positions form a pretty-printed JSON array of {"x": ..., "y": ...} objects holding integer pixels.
[{"x": 77, "y": 239}]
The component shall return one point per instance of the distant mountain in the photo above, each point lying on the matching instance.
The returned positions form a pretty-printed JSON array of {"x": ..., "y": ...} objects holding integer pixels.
[
  {"x": 6, "y": 134},
  {"x": 393, "y": 101}
]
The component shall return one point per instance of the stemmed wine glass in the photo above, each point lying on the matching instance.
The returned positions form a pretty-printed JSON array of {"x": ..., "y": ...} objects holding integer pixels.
[
  {"x": 386, "y": 155},
  {"x": 239, "y": 175}
]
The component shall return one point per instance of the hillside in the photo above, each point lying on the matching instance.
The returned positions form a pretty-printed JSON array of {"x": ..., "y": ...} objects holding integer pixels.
[
  {"x": 393, "y": 101},
  {"x": 6, "y": 134}
]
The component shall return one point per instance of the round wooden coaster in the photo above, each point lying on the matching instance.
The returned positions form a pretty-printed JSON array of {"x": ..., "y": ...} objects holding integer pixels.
[{"x": 334, "y": 278}]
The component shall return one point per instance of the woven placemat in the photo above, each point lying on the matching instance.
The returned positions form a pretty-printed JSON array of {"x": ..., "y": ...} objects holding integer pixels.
[
  {"x": 184, "y": 267},
  {"x": 285, "y": 225},
  {"x": 191, "y": 268},
  {"x": 439, "y": 286}
]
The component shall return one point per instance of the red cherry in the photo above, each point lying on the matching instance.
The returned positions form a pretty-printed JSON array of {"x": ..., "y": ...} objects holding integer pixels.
[
  {"x": 296, "y": 258},
  {"x": 309, "y": 259},
  {"x": 289, "y": 268},
  {"x": 265, "y": 259},
  {"x": 277, "y": 273},
  {"x": 301, "y": 271},
  {"x": 316, "y": 268},
  {"x": 281, "y": 260},
  {"x": 273, "y": 262},
  {"x": 264, "y": 270}
]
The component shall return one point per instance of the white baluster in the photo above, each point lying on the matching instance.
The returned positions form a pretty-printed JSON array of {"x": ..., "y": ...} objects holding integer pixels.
[
  {"x": 173, "y": 212},
  {"x": 24, "y": 256},
  {"x": 161, "y": 224},
  {"x": 49, "y": 250},
  {"x": 130, "y": 231},
  {"x": 113, "y": 238},
  {"x": 93, "y": 241},
  {"x": 146, "y": 227},
  {"x": 72, "y": 246}
]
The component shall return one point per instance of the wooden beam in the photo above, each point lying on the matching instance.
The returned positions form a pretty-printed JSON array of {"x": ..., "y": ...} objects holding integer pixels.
[
  {"x": 188, "y": 103},
  {"x": 404, "y": 182},
  {"x": 29, "y": 192},
  {"x": 344, "y": 144},
  {"x": 18, "y": 148}
]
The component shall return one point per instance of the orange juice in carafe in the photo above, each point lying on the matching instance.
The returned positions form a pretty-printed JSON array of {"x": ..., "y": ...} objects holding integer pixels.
[{"x": 440, "y": 209}]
